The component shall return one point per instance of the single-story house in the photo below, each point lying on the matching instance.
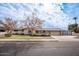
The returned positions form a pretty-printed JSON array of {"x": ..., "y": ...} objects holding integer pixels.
[
  {"x": 43, "y": 31},
  {"x": 40, "y": 31},
  {"x": 49, "y": 31}
]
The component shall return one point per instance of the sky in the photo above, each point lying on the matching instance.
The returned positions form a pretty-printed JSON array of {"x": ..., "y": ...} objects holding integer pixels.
[{"x": 55, "y": 15}]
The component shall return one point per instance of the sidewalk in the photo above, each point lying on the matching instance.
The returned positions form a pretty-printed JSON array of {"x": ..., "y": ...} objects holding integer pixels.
[
  {"x": 26, "y": 40},
  {"x": 54, "y": 39}
]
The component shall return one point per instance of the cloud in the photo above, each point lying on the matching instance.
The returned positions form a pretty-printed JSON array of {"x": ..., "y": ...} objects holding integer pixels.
[{"x": 53, "y": 14}]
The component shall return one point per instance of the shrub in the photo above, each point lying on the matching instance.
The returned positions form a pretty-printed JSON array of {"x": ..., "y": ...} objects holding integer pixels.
[
  {"x": 38, "y": 35},
  {"x": 8, "y": 35},
  {"x": 75, "y": 30}
]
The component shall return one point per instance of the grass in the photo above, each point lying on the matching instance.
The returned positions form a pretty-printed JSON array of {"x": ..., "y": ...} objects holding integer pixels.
[
  {"x": 23, "y": 37},
  {"x": 17, "y": 42}
]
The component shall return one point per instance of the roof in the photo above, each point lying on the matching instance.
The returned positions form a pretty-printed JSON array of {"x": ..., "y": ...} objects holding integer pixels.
[
  {"x": 49, "y": 29},
  {"x": 56, "y": 29},
  {"x": 1, "y": 28}
]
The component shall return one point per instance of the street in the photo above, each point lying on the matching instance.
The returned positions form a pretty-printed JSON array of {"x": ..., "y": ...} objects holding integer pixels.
[{"x": 60, "y": 48}]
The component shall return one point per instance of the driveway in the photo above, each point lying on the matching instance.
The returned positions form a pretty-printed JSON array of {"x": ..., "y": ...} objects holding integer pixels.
[{"x": 66, "y": 38}]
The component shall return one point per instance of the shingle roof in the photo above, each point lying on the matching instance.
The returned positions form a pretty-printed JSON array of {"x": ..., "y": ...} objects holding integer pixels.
[{"x": 57, "y": 29}]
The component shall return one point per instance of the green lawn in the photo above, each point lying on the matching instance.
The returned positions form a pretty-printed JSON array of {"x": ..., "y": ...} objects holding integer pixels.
[{"x": 23, "y": 37}]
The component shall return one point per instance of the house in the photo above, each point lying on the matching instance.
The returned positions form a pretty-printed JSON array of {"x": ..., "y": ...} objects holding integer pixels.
[
  {"x": 42, "y": 31},
  {"x": 49, "y": 31},
  {"x": 2, "y": 31}
]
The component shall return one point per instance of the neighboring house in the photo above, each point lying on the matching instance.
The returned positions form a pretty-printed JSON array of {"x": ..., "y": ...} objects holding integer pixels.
[
  {"x": 2, "y": 31},
  {"x": 71, "y": 27}
]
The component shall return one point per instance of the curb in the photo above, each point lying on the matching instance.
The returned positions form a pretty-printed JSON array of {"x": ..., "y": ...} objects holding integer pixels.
[{"x": 26, "y": 40}]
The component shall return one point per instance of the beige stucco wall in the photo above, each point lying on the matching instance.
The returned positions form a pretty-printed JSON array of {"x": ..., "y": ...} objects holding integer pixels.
[
  {"x": 50, "y": 32},
  {"x": 25, "y": 31},
  {"x": 47, "y": 32},
  {"x": 55, "y": 33}
]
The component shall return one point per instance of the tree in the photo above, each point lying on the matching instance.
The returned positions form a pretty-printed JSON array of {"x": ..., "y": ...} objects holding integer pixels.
[
  {"x": 73, "y": 27},
  {"x": 8, "y": 25},
  {"x": 32, "y": 23}
]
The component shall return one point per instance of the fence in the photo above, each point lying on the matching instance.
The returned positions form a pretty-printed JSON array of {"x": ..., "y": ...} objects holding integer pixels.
[{"x": 66, "y": 32}]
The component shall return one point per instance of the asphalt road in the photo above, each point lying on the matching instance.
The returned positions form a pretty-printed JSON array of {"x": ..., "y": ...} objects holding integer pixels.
[{"x": 40, "y": 49}]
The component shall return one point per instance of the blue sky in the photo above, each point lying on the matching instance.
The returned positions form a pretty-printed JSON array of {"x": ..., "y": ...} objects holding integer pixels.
[{"x": 56, "y": 15}]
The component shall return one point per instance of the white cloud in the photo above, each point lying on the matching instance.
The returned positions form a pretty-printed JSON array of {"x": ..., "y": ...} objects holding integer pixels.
[
  {"x": 51, "y": 13},
  {"x": 58, "y": 18}
]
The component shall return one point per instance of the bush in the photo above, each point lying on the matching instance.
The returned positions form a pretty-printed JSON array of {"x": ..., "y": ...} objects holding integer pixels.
[
  {"x": 38, "y": 35},
  {"x": 8, "y": 35},
  {"x": 75, "y": 30}
]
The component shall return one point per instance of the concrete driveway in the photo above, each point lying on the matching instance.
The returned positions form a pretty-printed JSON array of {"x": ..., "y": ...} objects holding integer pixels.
[{"x": 66, "y": 38}]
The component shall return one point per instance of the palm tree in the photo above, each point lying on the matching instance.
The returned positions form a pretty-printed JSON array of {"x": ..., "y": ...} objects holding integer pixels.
[
  {"x": 75, "y": 18},
  {"x": 75, "y": 25}
]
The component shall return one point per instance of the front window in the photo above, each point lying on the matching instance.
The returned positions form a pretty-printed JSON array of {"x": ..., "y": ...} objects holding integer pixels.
[
  {"x": 37, "y": 31},
  {"x": 44, "y": 31}
]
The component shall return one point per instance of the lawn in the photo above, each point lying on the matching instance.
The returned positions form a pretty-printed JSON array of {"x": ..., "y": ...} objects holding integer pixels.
[{"x": 24, "y": 37}]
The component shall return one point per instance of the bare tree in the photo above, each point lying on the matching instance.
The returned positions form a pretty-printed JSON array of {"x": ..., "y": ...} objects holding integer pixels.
[
  {"x": 32, "y": 23},
  {"x": 8, "y": 25}
]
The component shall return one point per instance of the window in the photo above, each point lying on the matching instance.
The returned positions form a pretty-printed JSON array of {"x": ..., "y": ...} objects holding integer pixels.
[
  {"x": 37, "y": 31},
  {"x": 2, "y": 30},
  {"x": 43, "y": 31}
]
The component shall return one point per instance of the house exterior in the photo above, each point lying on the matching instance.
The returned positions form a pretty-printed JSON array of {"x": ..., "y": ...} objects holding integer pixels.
[
  {"x": 49, "y": 31},
  {"x": 42, "y": 31}
]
